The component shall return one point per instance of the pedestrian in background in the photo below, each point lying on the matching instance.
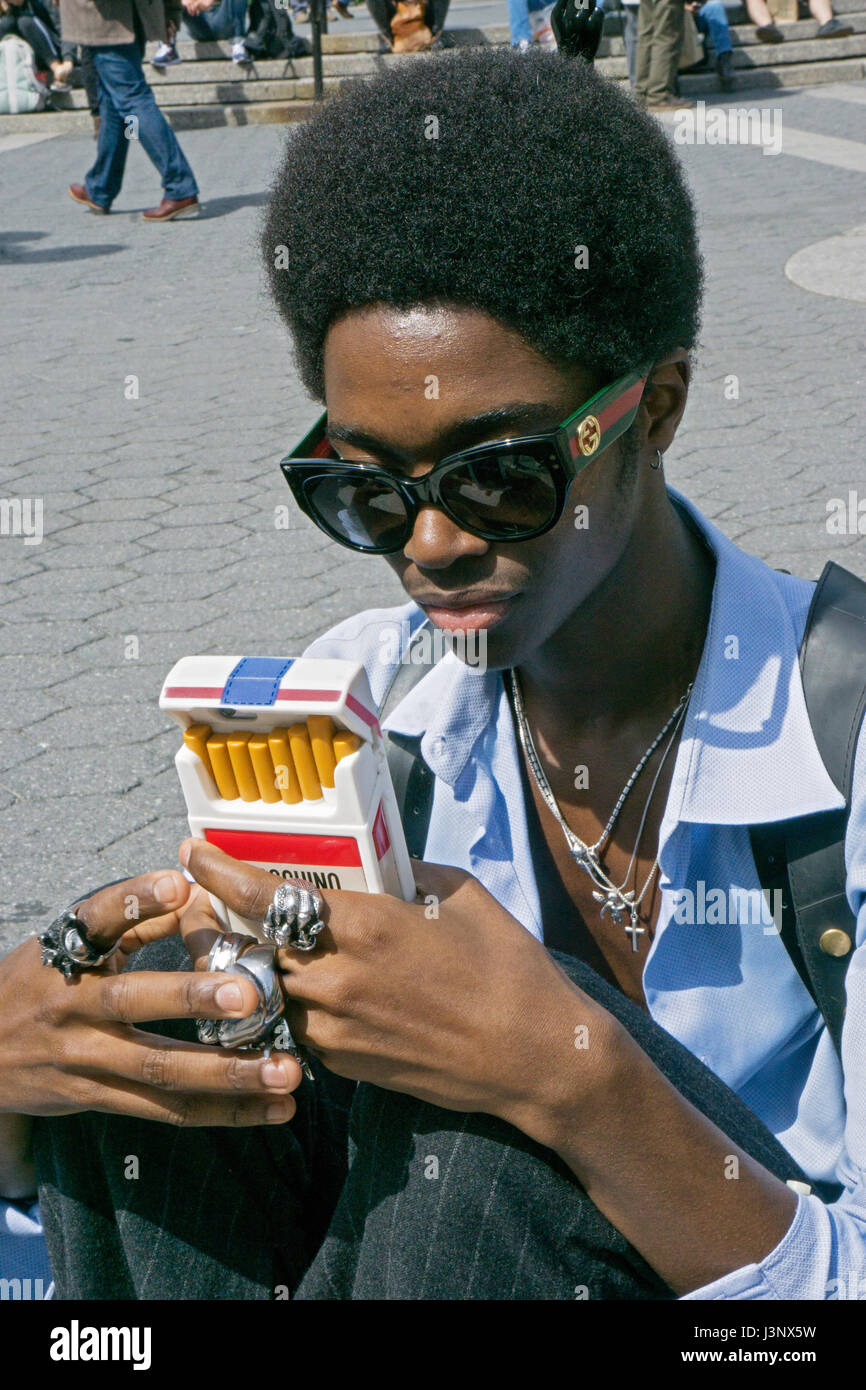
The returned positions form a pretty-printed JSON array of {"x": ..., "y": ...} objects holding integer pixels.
[
  {"x": 768, "y": 31},
  {"x": 33, "y": 22},
  {"x": 115, "y": 34},
  {"x": 659, "y": 38}
]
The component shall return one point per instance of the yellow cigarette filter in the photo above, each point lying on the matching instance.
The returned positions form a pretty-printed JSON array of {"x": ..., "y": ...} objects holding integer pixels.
[
  {"x": 322, "y": 731},
  {"x": 239, "y": 755},
  {"x": 284, "y": 766},
  {"x": 305, "y": 766},
  {"x": 221, "y": 766},
  {"x": 196, "y": 737},
  {"x": 263, "y": 767},
  {"x": 344, "y": 744}
]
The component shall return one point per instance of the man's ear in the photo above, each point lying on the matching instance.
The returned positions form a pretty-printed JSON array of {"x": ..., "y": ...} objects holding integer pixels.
[{"x": 664, "y": 399}]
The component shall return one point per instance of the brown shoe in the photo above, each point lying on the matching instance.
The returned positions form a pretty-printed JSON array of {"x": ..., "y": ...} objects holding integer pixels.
[
  {"x": 670, "y": 103},
  {"x": 769, "y": 33},
  {"x": 172, "y": 208},
  {"x": 80, "y": 194}
]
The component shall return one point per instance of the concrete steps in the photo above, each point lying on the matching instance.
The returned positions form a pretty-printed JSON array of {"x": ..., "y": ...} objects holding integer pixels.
[{"x": 207, "y": 89}]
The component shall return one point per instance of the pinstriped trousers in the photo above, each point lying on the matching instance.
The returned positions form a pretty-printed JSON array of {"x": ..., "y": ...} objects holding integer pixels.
[{"x": 366, "y": 1194}]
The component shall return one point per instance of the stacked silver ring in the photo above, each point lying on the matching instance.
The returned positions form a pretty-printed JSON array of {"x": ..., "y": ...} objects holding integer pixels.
[
  {"x": 266, "y": 1027},
  {"x": 66, "y": 947},
  {"x": 294, "y": 918}
]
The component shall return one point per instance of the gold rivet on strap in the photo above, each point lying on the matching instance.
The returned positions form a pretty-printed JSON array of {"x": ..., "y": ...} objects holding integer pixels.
[{"x": 835, "y": 942}]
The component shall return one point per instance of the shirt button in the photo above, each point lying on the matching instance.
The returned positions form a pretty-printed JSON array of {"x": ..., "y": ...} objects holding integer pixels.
[{"x": 438, "y": 746}]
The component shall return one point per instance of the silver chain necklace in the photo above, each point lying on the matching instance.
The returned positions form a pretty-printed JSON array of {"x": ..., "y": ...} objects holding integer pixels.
[{"x": 615, "y": 899}]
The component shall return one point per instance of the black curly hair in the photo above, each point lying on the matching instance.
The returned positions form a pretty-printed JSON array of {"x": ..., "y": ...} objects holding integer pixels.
[{"x": 472, "y": 177}]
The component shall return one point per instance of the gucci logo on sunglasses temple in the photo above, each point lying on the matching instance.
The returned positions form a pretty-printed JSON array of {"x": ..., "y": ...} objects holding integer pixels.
[{"x": 510, "y": 490}]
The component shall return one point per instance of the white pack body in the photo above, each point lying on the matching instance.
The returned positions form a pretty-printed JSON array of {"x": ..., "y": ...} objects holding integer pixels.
[{"x": 232, "y": 709}]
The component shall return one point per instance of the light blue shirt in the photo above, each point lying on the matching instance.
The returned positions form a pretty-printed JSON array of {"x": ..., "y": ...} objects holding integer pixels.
[
  {"x": 725, "y": 986},
  {"x": 717, "y": 975}
]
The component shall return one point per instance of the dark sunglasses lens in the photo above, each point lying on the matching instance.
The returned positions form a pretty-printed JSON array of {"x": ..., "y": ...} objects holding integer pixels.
[
  {"x": 368, "y": 514},
  {"x": 504, "y": 493}
]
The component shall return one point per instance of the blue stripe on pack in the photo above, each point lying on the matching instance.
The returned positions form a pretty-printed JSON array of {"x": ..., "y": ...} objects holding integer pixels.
[{"x": 255, "y": 680}]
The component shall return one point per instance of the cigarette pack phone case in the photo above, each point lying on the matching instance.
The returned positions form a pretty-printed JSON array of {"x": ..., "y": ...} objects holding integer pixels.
[{"x": 283, "y": 765}]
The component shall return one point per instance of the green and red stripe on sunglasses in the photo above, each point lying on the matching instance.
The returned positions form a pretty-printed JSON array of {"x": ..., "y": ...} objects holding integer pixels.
[{"x": 509, "y": 490}]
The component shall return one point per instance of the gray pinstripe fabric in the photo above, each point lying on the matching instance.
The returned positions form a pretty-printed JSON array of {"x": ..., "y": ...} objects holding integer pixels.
[{"x": 228, "y": 1214}]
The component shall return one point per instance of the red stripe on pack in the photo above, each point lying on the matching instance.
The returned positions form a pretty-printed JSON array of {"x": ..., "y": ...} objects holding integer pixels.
[
  {"x": 314, "y": 696},
  {"x": 270, "y": 847},
  {"x": 381, "y": 839},
  {"x": 193, "y": 692},
  {"x": 357, "y": 708}
]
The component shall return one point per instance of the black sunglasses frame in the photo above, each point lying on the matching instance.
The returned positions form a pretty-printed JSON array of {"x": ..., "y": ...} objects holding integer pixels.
[{"x": 567, "y": 450}]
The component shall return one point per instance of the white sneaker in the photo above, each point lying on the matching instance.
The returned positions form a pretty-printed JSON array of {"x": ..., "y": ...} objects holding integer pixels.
[
  {"x": 523, "y": 45},
  {"x": 239, "y": 53},
  {"x": 542, "y": 32},
  {"x": 166, "y": 56}
]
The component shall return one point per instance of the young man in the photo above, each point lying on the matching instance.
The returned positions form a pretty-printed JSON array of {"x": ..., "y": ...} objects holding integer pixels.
[
  {"x": 115, "y": 33},
  {"x": 570, "y": 1085}
]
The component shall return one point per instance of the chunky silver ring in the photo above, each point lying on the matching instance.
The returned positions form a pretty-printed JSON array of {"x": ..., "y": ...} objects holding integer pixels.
[
  {"x": 65, "y": 946},
  {"x": 235, "y": 953},
  {"x": 294, "y": 918}
]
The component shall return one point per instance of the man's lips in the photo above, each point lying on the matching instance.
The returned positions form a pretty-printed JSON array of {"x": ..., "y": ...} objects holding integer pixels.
[{"x": 469, "y": 612}]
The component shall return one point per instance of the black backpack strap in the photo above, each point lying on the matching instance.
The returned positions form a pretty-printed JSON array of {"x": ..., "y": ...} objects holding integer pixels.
[
  {"x": 806, "y": 856},
  {"x": 412, "y": 778}
]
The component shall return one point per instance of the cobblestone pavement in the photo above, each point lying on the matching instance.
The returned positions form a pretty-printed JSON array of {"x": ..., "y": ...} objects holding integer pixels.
[{"x": 158, "y": 511}]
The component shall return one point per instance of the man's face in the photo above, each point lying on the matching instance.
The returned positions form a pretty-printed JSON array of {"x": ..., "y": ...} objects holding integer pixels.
[{"x": 414, "y": 386}]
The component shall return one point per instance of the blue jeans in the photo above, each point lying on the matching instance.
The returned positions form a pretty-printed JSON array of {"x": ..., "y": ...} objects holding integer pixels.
[
  {"x": 124, "y": 93},
  {"x": 711, "y": 19},
  {"x": 227, "y": 20},
  {"x": 518, "y": 18}
]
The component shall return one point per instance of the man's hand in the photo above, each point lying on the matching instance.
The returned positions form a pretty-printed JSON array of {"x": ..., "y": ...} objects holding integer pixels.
[
  {"x": 447, "y": 998},
  {"x": 72, "y": 1045}
]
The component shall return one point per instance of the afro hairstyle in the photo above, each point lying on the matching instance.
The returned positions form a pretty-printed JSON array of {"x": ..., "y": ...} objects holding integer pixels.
[{"x": 524, "y": 185}]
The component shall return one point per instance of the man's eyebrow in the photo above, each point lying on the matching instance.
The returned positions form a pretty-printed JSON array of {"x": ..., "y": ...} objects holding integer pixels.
[{"x": 518, "y": 417}]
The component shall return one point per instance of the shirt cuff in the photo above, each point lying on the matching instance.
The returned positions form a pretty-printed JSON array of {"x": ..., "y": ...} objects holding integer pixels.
[{"x": 796, "y": 1269}]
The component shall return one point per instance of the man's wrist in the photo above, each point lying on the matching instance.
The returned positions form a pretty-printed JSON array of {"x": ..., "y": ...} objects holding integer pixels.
[
  {"x": 576, "y": 1054},
  {"x": 17, "y": 1170}
]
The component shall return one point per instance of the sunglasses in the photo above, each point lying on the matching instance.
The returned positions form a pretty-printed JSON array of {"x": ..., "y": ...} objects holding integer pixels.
[{"x": 511, "y": 490}]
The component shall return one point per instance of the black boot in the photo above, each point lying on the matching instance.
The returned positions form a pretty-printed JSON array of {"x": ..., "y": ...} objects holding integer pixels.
[{"x": 725, "y": 69}]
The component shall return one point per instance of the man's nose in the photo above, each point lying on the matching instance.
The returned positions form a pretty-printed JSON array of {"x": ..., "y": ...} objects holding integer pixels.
[{"x": 437, "y": 541}]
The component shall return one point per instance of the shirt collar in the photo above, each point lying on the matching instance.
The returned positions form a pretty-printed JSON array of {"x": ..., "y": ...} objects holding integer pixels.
[{"x": 747, "y": 753}]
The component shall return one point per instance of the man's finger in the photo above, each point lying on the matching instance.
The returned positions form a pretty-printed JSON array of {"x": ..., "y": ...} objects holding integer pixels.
[
  {"x": 170, "y": 1065},
  {"x": 114, "y": 910},
  {"x": 440, "y": 880},
  {"x": 247, "y": 891},
  {"x": 145, "y": 996},
  {"x": 199, "y": 927},
  {"x": 192, "y": 1111}
]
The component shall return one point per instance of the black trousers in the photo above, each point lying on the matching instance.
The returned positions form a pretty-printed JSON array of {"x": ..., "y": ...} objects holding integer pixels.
[{"x": 366, "y": 1194}]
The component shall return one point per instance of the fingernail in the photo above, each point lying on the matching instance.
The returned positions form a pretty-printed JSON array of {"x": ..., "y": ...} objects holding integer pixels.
[
  {"x": 277, "y": 1114},
  {"x": 273, "y": 1075},
  {"x": 184, "y": 853},
  {"x": 229, "y": 997},
  {"x": 165, "y": 890}
]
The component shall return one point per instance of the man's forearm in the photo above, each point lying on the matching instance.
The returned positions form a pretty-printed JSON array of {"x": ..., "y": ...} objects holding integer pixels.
[
  {"x": 653, "y": 1164},
  {"x": 17, "y": 1172}
]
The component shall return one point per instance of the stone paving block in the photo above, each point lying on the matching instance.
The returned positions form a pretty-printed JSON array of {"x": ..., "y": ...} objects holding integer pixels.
[{"x": 126, "y": 723}]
